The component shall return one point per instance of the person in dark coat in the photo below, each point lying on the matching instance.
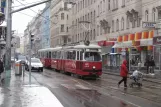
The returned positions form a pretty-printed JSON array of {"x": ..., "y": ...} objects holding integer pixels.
[
  {"x": 123, "y": 73},
  {"x": 152, "y": 65},
  {"x": 1, "y": 67},
  {"x": 147, "y": 64}
]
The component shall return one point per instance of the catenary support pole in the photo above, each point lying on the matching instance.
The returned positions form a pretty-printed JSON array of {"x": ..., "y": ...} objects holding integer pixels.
[
  {"x": 8, "y": 39},
  {"x": 30, "y": 56},
  {"x": 9, "y": 13}
]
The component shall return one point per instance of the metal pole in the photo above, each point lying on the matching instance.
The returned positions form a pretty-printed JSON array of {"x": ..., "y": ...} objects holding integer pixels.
[
  {"x": 30, "y": 56},
  {"x": 8, "y": 40}
]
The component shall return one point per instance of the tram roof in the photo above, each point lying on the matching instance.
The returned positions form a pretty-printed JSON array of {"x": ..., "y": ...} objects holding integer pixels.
[
  {"x": 91, "y": 46},
  {"x": 50, "y": 49}
]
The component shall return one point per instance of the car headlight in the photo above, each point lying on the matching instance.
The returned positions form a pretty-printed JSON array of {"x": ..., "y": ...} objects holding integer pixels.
[{"x": 94, "y": 67}]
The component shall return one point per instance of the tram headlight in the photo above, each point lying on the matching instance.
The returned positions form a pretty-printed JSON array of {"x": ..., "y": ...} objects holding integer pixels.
[{"x": 94, "y": 67}]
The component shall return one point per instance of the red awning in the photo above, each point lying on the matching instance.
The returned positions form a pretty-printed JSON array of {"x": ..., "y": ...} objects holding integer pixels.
[
  {"x": 106, "y": 43},
  {"x": 101, "y": 43}
]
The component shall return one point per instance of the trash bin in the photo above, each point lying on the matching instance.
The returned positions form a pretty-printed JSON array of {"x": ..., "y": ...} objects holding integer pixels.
[{"x": 18, "y": 68}]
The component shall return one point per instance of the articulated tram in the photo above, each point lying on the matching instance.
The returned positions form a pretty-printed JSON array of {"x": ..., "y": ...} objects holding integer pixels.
[{"x": 81, "y": 60}]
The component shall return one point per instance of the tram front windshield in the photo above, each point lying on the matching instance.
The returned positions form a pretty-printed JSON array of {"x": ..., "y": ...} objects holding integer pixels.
[{"x": 92, "y": 56}]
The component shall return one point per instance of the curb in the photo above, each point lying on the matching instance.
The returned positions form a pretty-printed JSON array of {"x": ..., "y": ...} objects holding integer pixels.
[{"x": 145, "y": 79}]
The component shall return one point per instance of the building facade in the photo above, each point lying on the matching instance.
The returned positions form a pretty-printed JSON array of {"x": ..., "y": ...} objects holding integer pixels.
[
  {"x": 110, "y": 20},
  {"x": 60, "y": 23},
  {"x": 45, "y": 37}
]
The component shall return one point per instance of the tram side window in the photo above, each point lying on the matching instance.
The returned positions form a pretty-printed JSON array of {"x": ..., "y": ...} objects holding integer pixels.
[
  {"x": 46, "y": 54},
  {"x": 68, "y": 55},
  {"x": 77, "y": 55},
  {"x": 49, "y": 54},
  {"x": 81, "y": 55},
  {"x": 58, "y": 55},
  {"x": 53, "y": 54},
  {"x": 74, "y": 55},
  {"x": 65, "y": 55}
]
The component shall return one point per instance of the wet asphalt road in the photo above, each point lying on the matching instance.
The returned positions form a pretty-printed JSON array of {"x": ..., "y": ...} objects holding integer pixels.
[{"x": 103, "y": 92}]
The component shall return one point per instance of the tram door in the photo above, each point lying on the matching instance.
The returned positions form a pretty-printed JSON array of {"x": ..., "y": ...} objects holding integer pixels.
[{"x": 59, "y": 60}]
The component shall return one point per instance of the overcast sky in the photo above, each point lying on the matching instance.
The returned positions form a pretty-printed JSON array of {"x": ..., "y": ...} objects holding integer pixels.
[{"x": 19, "y": 20}]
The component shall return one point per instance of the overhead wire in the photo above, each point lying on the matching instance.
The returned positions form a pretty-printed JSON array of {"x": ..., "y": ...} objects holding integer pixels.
[
  {"x": 36, "y": 12},
  {"x": 154, "y": 1},
  {"x": 51, "y": 24},
  {"x": 26, "y": 4}
]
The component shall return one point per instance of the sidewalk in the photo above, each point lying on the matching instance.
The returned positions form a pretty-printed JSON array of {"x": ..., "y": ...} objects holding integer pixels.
[
  {"x": 155, "y": 79},
  {"x": 16, "y": 92}
]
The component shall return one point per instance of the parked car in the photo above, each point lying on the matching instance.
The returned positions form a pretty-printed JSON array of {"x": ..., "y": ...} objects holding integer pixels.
[{"x": 35, "y": 65}]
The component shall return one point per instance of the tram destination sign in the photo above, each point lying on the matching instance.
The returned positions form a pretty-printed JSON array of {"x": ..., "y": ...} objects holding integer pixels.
[{"x": 148, "y": 24}]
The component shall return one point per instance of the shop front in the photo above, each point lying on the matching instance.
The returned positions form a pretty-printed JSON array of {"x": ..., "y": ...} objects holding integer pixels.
[
  {"x": 157, "y": 51},
  {"x": 135, "y": 48},
  {"x": 107, "y": 51}
]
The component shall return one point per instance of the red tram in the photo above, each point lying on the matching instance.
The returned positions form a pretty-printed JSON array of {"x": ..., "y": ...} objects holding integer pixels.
[{"x": 80, "y": 59}]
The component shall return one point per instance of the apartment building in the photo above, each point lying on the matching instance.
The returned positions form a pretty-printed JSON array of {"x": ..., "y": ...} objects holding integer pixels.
[
  {"x": 115, "y": 21},
  {"x": 60, "y": 23}
]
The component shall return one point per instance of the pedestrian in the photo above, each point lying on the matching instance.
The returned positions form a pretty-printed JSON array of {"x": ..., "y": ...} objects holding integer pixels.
[
  {"x": 123, "y": 74},
  {"x": 152, "y": 65},
  {"x": 1, "y": 69},
  {"x": 147, "y": 63},
  {"x": 139, "y": 65}
]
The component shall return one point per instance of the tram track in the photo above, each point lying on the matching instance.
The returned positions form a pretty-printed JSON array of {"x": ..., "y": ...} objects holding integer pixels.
[{"x": 108, "y": 85}]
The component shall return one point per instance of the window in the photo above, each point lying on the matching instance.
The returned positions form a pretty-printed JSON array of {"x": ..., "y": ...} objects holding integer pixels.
[
  {"x": 94, "y": 16},
  {"x": 128, "y": 23},
  {"x": 98, "y": 10},
  {"x": 101, "y": 7},
  {"x": 91, "y": 16},
  {"x": 92, "y": 56},
  {"x": 117, "y": 25},
  {"x": 113, "y": 26},
  {"x": 109, "y": 5},
  {"x": 83, "y": 3},
  {"x": 153, "y": 15},
  {"x": 98, "y": 30},
  {"x": 91, "y": 36},
  {"x": 94, "y": 34},
  {"x": 117, "y": 5},
  {"x": 146, "y": 15},
  {"x": 122, "y": 24},
  {"x": 62, "y": 16},
  {"x": 78, "y": 38},
  {"x": 138, "y": 22},
  {"x": 104, "y": 5},
  {"x": 67, "y": 17},
  {"x": 62, "y": 28},
  {"x": 88, "y": 17},
  {"x": 78, "y": 55},
  {"x": 123, "y": 3},
  {"x": 101, "y": 30}
]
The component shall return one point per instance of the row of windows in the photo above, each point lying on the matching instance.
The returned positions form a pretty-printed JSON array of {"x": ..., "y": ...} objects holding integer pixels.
[
  {"x": 88, "y": 17},
  {"x": 63, "y": 16},
  {"x": 101, "y": 6},
  {"x": 119, "y": 24},
  {"x": 82, "y": 36},
  {"x": 82, "y": 4},
  {"x": 74, "y": 55},
  {"x": 62, "y": 29},
  {"x": 153, "y": 15}
]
